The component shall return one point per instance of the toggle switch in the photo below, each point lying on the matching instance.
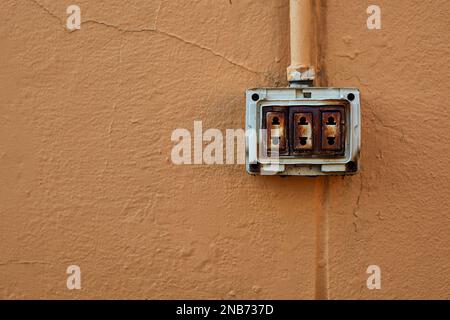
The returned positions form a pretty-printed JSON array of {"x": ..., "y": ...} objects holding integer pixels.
[
  {"x": 331, "y": 131},
  {"x": 276, "y": 131},
  {"x": 303, "y": 132}
]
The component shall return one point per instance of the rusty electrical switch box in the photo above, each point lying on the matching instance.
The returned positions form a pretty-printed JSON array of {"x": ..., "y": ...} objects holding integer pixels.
[{"x": 303, "y": 131}]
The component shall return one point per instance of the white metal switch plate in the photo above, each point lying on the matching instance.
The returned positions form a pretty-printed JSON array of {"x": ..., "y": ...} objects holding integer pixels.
[{"x": 330, "y": 148}]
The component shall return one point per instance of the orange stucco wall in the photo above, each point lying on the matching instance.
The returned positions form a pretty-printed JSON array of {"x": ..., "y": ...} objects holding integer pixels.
[{"x": 85, "y": 172}]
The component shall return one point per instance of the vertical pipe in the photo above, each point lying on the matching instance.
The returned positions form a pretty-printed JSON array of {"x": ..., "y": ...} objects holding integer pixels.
[
  {"x": 302, "y": 42},
  {"x": 322, "y": 237}
]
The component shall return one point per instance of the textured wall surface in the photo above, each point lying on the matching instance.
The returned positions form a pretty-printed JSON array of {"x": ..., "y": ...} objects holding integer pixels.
[{"x": 86, "y": 177}]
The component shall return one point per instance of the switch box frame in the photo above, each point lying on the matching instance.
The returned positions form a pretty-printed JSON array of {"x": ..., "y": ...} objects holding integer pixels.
[{"x": 318, "y": 101}]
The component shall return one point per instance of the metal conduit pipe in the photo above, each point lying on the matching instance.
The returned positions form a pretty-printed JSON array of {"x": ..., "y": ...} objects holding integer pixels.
[{"x": 301, "y": 71}]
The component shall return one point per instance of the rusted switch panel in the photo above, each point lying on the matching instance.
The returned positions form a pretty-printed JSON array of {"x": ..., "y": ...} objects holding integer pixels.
[
  {"x": 303, "y": 131},
  {"x": 316, "y": 131}
]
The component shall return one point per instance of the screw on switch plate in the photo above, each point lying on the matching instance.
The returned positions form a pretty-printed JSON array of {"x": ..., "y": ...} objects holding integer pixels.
[
  {"x": 303, "y": 123},
  {"x": 331, "y": 131},
  {"x": 276, "y": 131}
]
